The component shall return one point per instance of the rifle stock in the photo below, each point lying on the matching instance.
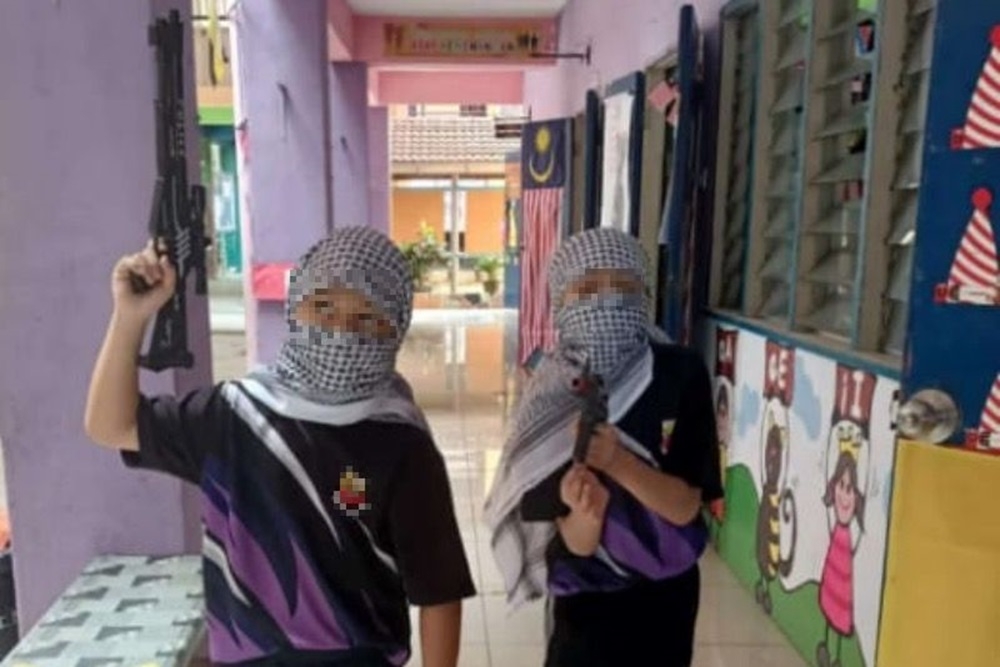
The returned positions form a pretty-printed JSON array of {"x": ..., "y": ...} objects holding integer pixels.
[{"x": 176, "y": 223}]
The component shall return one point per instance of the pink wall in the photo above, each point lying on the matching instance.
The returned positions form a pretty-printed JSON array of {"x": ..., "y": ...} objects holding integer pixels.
[
  {"x": 631, "y": 37},
  {"x": 411, "y": 87},
  {"x": 340, "y": 29}
]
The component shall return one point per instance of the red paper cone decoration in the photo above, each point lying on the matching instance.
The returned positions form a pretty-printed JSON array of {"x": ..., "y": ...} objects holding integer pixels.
[
  {"x": 986, "y": 438},
  {"x": 982, "y": 122},
  {"x": 990, "y": 421},
  {"x": 975, "y": 273}
]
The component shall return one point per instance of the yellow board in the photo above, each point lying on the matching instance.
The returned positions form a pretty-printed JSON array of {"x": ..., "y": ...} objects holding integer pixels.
[{"x": 942, "y": 593}]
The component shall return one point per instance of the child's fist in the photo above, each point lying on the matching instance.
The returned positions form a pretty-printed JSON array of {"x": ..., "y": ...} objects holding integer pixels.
[
  {"x": 602, "y": 452},
  {"x": 142, "y": 283},
  {"x": 583, "y": 492}
]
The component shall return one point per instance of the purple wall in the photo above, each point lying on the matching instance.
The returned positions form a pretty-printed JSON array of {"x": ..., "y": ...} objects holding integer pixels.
[
  {"x": 282, "y": 45},
  {"x": 631, "y": 37},
  {"x": 379, "y": 168},
  {"x": 349, "y": 143},
  {"x": 76, "y": 175}
]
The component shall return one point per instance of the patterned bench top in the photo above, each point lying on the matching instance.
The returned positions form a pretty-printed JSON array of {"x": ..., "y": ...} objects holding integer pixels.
[{"x": 122, "y": 611}]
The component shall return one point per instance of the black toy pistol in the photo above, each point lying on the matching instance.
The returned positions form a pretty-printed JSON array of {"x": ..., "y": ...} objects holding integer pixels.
[{"x": 589, "y": 388}]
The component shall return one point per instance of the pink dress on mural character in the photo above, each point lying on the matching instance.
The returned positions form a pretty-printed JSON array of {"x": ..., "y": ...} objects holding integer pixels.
[{"x": 836, "y": 591}]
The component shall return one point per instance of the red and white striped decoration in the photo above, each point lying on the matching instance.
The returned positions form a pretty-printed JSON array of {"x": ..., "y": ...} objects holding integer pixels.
[
  {"x": 542, "y": 216},
  {"x": 982, "y": 123},
  {"x": 975, "y": 264},
  {"x": 990, "y": 421}
]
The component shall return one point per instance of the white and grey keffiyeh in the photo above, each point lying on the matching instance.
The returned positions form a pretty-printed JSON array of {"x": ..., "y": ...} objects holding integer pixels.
[
  {"x": 340, "y": 377},
  {"x": 611, "y": 333}
]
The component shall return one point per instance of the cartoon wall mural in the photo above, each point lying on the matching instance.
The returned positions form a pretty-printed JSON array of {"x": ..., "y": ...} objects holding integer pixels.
[
  {"x": 982, "y": 121},
  {"x": 974, "y": 278},
  {"x": 810, "y": 457},
  {"x": 725, "y": 396},
  {"x": 777, "y": 506},
  {"x": 847, "y": 467}
]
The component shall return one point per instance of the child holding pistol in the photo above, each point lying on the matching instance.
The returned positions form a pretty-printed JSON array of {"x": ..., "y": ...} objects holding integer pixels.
[{"x": 614, "y": 540}]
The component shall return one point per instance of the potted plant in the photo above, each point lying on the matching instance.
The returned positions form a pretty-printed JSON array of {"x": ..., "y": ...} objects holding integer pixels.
[
  {"x": 488, "y": 267},
  {"x": 424, "y": 255}
]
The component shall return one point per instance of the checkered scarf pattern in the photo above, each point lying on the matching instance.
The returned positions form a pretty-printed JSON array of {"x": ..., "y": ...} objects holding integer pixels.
[
  {"x": 341, "y": 367},
  {"x": 541, "y": 437}
]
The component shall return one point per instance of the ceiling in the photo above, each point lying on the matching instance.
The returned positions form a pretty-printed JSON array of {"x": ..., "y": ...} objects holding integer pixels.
[{"x": 458, "y": 8}]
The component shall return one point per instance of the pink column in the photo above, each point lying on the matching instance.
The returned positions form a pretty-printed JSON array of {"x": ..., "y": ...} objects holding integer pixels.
[
  {"x": 379, "y": 168},
  {"x": 282, "y": 90}
]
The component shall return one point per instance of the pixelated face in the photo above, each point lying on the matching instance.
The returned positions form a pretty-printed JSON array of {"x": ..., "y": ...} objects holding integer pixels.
[
  {"x": 341, "y": 309},
  {"x": 603, "y": 281}
]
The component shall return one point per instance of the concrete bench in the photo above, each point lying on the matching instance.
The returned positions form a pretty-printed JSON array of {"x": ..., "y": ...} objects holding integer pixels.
[{"x": 127, "y": 611}]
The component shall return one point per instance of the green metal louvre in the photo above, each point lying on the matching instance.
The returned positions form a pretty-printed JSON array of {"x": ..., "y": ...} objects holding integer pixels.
[
  {"x": 913, "y": 85},
  {"x": 778, "y": 170},
  {"x": 734, "y": 176},
  {"x": 839, "y": 119}
]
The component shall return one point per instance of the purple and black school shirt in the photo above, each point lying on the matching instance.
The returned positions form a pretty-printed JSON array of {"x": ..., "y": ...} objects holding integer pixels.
[
  {"x": 674, "y": 422},
  {"x": 316, "y": 537}
]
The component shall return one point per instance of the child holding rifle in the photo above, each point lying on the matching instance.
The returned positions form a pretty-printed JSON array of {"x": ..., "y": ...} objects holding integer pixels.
[
  {"x": 615, "y": 537},
  {"x": 325, "y": 503}
]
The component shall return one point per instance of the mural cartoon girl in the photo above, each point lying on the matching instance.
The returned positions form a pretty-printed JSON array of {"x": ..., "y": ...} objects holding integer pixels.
[
  {"x": 844, "y": 498},
  {"x": 836, "y": 591}
]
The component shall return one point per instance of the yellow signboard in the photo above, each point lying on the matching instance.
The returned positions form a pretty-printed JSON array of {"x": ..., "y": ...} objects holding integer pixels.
[{"x": 479, "y": 41}]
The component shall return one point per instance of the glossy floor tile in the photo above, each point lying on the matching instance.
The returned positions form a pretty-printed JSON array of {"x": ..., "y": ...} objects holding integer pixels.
[{"x": 459, "y": 363}]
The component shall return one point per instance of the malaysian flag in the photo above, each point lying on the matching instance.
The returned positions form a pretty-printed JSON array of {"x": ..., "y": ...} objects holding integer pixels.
[{"x": 544, "y": 178}]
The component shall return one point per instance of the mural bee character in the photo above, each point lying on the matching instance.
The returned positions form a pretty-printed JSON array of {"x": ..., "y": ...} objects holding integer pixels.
[
  {"x": 777, "y": 506},
  {"x": 844, "y": 498}
]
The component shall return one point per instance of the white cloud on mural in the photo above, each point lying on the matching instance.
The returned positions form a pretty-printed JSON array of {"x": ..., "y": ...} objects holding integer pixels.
[
  {"x": 749, "y": 411},
  {"x": 807, "y": 405}
]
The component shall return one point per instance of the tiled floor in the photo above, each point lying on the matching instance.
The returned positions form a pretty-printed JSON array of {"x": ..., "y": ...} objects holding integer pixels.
[{"x": 456, "y": 362}]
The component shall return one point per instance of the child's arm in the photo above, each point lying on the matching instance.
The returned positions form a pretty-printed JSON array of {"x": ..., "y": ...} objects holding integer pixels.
[
  {"x": 588, "y": 501},
  {"x": 668, "y": 496},
  {"x": 688, "y": 474},
  {"x": 113, "y": 398},
  {"x": 440, "y": 629}
]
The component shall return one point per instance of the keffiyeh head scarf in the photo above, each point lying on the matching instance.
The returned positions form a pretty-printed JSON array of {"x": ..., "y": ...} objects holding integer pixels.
[
  {"x": 609, "y": 330},
  {"x": 340, "y": 376}
]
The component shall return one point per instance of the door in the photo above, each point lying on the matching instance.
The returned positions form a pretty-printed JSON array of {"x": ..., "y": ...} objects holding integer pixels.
[
  {"x": 657, "y": 135},
  {"x": 677, "y": 231},
  {"x": 954, "y": 327}
]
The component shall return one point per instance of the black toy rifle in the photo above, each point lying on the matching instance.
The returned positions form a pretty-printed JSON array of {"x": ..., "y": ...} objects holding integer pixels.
[
  {"x": 176, "y": 221},
  {"x": 594, "y": 410}
]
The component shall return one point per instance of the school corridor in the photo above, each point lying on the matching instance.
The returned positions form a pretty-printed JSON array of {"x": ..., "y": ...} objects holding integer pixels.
[{"x": 455, "y": 361}]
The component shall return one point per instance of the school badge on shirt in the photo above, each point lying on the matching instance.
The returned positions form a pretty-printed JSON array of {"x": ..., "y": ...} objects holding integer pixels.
[
  {"x": 666, "y": 435},
  {"x": 350, "y": 496}
]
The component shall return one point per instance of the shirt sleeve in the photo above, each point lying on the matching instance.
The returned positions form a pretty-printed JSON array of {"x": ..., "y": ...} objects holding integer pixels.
[
  {"x": 694, "y": 452},
  {"x": 175, "y": 433},
  {"x": 424, "y": 530},
  {"x": 543, "y": 502}
]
